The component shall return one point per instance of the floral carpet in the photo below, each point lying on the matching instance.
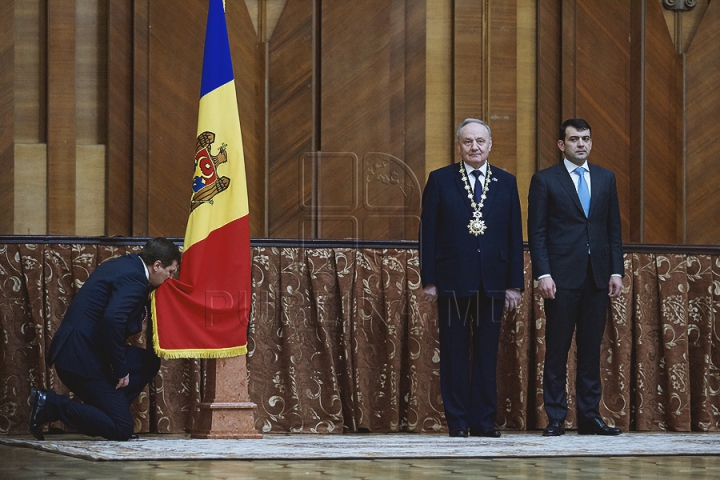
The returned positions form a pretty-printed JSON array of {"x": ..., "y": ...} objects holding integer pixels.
[{"x": 374, "y": 446}]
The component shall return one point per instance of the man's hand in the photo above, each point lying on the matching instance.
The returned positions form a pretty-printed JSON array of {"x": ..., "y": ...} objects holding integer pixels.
[
  {"x": 430, "y": 293},
  {"x": 616, "y": 287},
  {"x": 123, "y": 382},
  {"x": 512, "y": 298},
  {"x": 546, "y": 285}
]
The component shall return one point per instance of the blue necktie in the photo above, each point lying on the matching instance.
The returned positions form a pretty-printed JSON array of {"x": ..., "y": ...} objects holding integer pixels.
[
  {"x": 583, "y": 191},
  {"x": 477, "y": 192}
]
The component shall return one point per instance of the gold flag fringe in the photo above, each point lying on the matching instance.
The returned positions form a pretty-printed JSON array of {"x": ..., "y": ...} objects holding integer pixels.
[{"x": 193, "y": 352}]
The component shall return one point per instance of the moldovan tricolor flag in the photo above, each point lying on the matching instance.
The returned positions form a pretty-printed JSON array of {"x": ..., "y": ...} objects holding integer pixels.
[{"x": 204, "y": 314}]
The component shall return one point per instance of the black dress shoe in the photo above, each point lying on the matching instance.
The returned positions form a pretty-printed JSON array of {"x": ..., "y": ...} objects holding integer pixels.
[
  {"x": 134, "y": 436},
  {"x": 494, "y": 433},
  {"x": 37, "y": 404},
  {"x": 554, "y": 429},
  {"x": 597, "y": 427},
  {"x": 461, "y": 432}
]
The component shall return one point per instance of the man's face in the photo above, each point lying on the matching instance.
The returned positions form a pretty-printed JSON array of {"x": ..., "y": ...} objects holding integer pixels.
[
  {"x": 474, "y": 144},
  {"x": 577, "y": 145},
  {"x": 158, "y": 273}
]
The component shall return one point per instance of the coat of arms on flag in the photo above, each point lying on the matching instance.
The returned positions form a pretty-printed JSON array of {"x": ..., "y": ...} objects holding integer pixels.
[{"x": 206, "y": 181}]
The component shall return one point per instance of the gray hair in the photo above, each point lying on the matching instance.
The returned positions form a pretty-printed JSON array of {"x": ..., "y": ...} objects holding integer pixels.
[{"x": 472, "y": 120}]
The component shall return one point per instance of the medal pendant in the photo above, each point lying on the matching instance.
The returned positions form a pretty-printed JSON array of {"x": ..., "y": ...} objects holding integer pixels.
[{"x": 477, "y": 227}]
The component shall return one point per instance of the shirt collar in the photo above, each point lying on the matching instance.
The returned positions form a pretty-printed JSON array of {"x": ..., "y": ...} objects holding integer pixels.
[
  {"x": 145, "y": 268},
  {"x": 469, "y": 168},
  {"x": 571, "y": 166}
]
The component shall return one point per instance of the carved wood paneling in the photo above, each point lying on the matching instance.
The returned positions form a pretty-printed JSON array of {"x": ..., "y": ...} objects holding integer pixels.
[
  {"x": 61, "y": 117},
  {"x": 703, "y": 130},
  {"x": 291, "y": 121}
]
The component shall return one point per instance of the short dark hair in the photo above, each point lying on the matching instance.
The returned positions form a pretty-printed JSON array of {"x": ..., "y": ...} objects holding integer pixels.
[
  {"x": 576, "y": 123},
  {"x": 160, "y": 248}
]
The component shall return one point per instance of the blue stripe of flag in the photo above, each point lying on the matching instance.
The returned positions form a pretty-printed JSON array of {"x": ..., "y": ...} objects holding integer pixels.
[{"x": 217, "y": 63}]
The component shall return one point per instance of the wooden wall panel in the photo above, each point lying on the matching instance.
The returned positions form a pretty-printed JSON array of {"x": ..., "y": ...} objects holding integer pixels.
[
  {"x": 362, "y": 120},
  {"x": 91, "y": 60},
  {"x": 118, "y": 180},
  {"x": 703, "y": 130},
  {"x": 502, "y": 76},
  {"x": 30, "y": 40},
  {"x": 549, "y": 81},
  {"x": 248, "y": 55},
  {"x": 470, "y": 57},
  {"x": 291, "y": 122},
  {"x": 662, "y": 131},
  {"x": 175, "y": 73},
  {"x": 439, "y": 121},
  {"x": 61, "y": 117},
  {"x": 30, "y": 195},
  {"x": 174, "y": 92},
  {"x": 527, "y": 99},
  {"x": 141, "y": 117},
  {"x": 415, "y": 53},
  {"x": 90, "y": 190},
  {"x": 602, "y": 88},
  {"x": 7, "y": 114}
]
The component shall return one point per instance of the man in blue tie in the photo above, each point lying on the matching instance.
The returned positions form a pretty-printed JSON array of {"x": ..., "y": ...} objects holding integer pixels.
[{"x": 577, "y": 259}]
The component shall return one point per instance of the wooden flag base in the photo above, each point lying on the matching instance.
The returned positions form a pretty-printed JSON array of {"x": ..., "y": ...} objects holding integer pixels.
[{"x": 228, "y": 411}]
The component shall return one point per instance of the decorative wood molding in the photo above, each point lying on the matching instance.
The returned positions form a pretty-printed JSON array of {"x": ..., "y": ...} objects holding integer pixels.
[
  {"x": 679, "y": 5},
  {"x": 321, "y": 243}
]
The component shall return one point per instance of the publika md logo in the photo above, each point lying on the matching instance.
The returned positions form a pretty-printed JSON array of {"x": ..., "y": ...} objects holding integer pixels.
[{"x": 206, "y": 182}]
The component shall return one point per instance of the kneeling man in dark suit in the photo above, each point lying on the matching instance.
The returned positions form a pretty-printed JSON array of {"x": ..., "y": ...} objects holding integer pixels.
[
  {"x": 89, "y": 350},
  {"x": 471, "y": 263}
]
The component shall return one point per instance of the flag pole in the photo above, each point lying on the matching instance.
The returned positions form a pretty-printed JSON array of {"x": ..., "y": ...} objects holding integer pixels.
[{"x": 226, "y": 411}]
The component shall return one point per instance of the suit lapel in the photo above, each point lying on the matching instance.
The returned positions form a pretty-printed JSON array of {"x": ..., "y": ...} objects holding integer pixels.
[
  {"x": 567, "y": 183},
  {"x": 461, "y": 187},
  {"x": 597, "y": 185},
  {"x": 492, "y": 191}
]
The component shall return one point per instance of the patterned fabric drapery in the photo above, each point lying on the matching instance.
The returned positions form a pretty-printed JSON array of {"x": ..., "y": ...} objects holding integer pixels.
[{"x": 339, "y": 342}]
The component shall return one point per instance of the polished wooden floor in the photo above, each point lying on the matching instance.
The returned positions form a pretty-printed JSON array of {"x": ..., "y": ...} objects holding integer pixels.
[{"x": 22, "y": 463}]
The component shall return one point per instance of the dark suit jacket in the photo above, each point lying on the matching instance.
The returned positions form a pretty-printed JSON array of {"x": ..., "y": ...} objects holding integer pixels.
[
  {"x": 108, "y": 309},
  {"x": 458, "y": 262},
  {"x": 560, "y": 234}
]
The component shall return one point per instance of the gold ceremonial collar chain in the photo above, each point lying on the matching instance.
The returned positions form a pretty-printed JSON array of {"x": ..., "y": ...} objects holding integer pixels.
[{"x": 477, "y": 224}]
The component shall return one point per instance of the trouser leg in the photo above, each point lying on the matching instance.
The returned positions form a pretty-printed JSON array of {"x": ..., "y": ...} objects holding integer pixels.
[
  {"x": 561, "y": 315},
  {"x": 454, "y": 334},
  {"x": 486, "y": 337},
  {"x": 104, "y": 411}
]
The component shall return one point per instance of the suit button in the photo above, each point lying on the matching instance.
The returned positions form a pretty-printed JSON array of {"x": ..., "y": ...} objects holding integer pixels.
[
  {"x": 587, "y": 244},
  {"x": 479, "y": 251}
]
